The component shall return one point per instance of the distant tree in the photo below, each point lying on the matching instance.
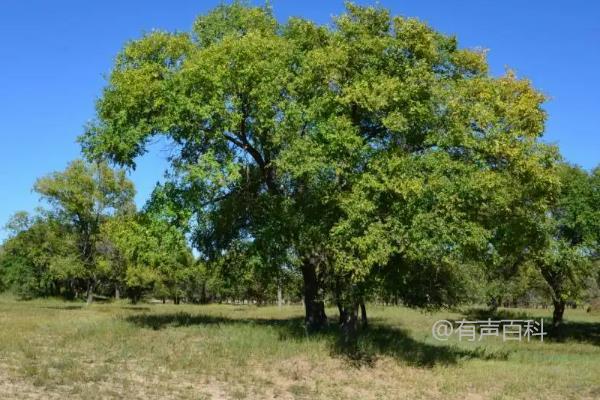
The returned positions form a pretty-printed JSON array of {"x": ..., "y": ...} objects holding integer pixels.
[
  {"x": 40, "y": 258},
  {"x": 144, "y": 255},
  {"x": 18, "y": 222},
  {"x": 572, "y": 237},
  {"x": 91, "y": 239},
  {"x": 82, "y": 197},
  {"x": 524, "y": 288}
]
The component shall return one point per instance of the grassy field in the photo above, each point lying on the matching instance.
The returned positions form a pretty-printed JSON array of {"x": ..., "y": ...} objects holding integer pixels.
[{"x": 55, "y": 350}]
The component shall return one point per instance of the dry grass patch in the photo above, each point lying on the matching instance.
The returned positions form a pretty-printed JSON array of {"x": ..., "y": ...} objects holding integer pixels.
[{"x": 52, "y": 349}]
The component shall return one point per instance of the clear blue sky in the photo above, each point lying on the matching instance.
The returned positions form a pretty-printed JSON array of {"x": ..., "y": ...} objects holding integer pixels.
[{"x": 55, "y": 55}]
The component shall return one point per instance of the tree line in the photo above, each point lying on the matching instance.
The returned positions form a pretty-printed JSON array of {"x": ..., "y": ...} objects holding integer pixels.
[
  {"x": 92, "y": 242},
  {"x": 372, "y": 158}
]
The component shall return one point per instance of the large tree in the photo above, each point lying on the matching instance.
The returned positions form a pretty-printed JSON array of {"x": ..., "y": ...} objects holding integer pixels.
[
  {"x": 82, "y": 197},
  {"x": 373, "y": 147}
]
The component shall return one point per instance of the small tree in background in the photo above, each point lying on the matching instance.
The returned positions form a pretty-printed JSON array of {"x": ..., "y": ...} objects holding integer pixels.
[
  {"x": 82, "y": 197},
  {"x": 572, "y": 237},
  {"x": 40, "y": 258},
  {"x": 146, "y": 254}
]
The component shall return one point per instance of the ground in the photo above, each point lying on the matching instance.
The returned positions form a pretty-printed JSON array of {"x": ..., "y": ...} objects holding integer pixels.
[{"x": 51, "y": 349}]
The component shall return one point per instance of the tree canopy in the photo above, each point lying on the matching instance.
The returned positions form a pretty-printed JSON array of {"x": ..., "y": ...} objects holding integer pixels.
[
  {"x": 374, "y": 150},
  {"x": 571, "y": 237},
  {"x": 82, "y": 196}
]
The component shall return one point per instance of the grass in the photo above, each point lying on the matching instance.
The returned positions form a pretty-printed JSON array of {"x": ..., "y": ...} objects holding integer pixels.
[{"x": 50, "y": 349}]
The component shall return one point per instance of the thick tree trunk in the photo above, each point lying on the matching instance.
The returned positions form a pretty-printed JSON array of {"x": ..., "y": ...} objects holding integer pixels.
[
  {"x": 557, "y": 315},
  {"x": 363, "y": 315},
  {"x": 315, "y": 317},
  {"x": 117, "y": 292}
]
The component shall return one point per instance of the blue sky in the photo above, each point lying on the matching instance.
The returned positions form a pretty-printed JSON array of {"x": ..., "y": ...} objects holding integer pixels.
[{"x": 55, "y": 55}]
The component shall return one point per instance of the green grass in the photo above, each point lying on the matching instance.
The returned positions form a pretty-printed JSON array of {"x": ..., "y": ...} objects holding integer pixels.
[{"x": 53, "y": 349}]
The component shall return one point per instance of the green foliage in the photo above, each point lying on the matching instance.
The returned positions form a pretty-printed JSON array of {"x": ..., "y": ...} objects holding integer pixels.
[
  {"x": 572, "y": 233},
  {"x": 145, "y": 253},
  {"x": 38, "y": 259},
  {"x": 92, "y": 239},
  {"x": 83, "y": 193},
  {"x": 82, "y": 197},
  {"x": 525, "y": 288},
  {"x": 376, "y": 151}
]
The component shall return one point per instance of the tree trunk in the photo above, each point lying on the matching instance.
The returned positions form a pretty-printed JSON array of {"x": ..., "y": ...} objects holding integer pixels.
[
  {"x": 557, "y": 315},
  {"x": 279, "y": 295},
  {"x": 350, "y": 324},
  {"x": 315, "y": 317},
  {"x": 363, "y": 314},
  {"x": 203, "y": 299},
  {"x": 342, "y": 313},
  {"x": 117, "y": 292},
  {"x": 90, "y": 291},
  {"x": 494, "y": 303}
]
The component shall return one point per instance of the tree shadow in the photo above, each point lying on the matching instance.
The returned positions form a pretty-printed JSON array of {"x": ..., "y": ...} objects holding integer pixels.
[
  {"x": 399, "y": 344},
  {"x": 371, "y": 343},
  {"x": 500, "y": 314},
  {"x": 578, "y": 331},
  {"x": 584, "y": 332},
  {"x": 135, "y": 308},
  {"x": 70, "y": 307}
]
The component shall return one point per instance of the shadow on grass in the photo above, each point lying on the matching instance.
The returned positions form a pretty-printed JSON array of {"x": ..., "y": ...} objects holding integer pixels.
[
  {"x": 377, "y": 340},
  {"x": 585, "y": 332},
  {"x": 83, "y": 306},
  {"x": 135, "y": 308},
  {"x": 577, "y": 331},
  {"x": 70, "y": 307}
]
